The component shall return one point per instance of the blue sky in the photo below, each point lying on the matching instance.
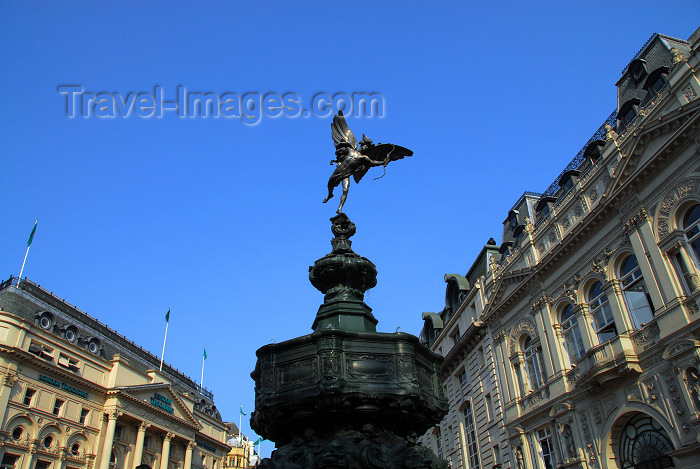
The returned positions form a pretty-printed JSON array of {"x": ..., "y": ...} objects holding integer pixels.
[{"x": 221, "y": 219}]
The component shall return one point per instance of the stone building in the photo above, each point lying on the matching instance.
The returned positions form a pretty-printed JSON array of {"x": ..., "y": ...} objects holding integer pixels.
[
  {"x": 593, "y": 306},
  {"x": 76, "y": 394},
  {"x": 590, "y": 304},
  {"x": 472, "y": 434}
]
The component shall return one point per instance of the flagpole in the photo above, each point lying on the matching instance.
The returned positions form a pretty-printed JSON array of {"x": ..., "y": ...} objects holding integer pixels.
[
  {"x": 167, "y": 321},
  {"x": 23, "y": 262},
  {"x": 29, "y": 243},
  {"x": 201, "y": 381}
]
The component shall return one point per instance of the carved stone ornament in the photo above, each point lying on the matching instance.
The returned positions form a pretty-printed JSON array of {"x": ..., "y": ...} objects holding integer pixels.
[
  {"x": 670, "y": 201},
  {"x": 526, "y": 325},
  {"x": 609, "y": 132},
  {"x": 689, "y": 93},
  {"x": 368, "y": 448},
  {"x": 10, "y": 379}
]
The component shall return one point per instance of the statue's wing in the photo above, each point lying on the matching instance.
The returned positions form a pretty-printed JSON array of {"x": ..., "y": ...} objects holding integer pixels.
[
  {"x": 341, "y": 132},
  {"x": 386, "y": 152}
]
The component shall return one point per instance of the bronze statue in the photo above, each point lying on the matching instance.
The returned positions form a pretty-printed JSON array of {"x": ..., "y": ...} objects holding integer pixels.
[{"x": 355, "y": 161}]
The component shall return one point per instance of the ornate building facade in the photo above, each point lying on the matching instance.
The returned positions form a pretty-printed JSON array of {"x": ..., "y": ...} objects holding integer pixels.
[
  {"x": 472, "y": 434},
  {"x": 75, "y": 394},
  {"x": 592, "y": 300}
]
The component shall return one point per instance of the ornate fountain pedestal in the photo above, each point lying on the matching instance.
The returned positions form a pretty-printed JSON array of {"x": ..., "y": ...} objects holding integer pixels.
[{"x": 347, "y": 396}]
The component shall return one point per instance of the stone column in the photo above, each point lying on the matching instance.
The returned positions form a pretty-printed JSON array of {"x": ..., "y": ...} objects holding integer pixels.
[
  {"x": 188, "y": 454},
  {"x": 584, "y": 319},
  {"x": 693, "y": 278},
  {"x": 165, "y": 454},
  {"x": 552, "y": 360},
  {"x": 109, "y": 439},
  {"x": 138, "y": 451},
  {"x": 616, "y": 300},
  {"x": 31, "y": 454}
]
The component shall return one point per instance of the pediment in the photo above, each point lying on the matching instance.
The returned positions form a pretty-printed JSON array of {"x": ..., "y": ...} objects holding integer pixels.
[
  {"x": 678, "y": 347},
  {"x": 656, "y": 139},
  {"x": 162, "y": 398}
]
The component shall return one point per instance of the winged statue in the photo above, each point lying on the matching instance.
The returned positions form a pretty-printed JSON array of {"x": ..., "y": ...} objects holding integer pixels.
[{"x": 355, "y": 160}]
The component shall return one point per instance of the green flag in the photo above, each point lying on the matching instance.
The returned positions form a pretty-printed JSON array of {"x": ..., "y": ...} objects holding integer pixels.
[
  {"x": 205, "y": 353},
  {"x": 257, "y": 442},
  {"x": 31, "y": 235},
  {"x": 242, "y": 413},
  {"x": 167, "y": 316}
]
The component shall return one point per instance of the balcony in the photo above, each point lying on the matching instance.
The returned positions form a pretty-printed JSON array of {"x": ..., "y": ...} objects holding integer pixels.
[{"x": 604, "y": 363}]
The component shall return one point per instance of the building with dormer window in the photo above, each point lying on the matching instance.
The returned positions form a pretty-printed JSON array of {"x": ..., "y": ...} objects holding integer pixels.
[
  {"x": 593, "y": 303},
  {"x": 76, "y": 394}
]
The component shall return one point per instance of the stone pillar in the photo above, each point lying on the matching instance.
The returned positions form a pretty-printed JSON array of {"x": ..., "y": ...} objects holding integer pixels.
[
  {"x": 31, "y": 454},
  {"x": 616, "y": 300},
  {"x": 584, "y": 320},
  {"x": 165, "y": 454},
  {"x": 690, "y": 267},
  {"x": 109, "y": 439},
  {"x": 140, "y": 437},
  {"x": 552, "y": 359},
  {"x": 188, "y": 454}
]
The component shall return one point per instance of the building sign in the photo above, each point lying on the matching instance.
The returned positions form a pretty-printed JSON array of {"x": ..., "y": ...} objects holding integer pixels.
[
  {"x": 64, "y": 386},
  {"x": 163, "y": 403},
  {"x": 201, "y": 444}
]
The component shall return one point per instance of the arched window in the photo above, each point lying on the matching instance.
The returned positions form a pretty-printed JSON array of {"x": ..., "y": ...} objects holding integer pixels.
[
  {"x": 635, "y": 291},
  {"x": 572, "y": 335},
  {"x": 532, "y": 355},
  {"x": 601, "y": 312},
  {"x": 644, "y": 444},
  {"x": 691, "y": 226}
]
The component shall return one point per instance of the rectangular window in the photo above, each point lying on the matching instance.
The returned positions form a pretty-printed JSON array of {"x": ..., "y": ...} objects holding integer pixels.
[
  {"x": 489, "y": 407},
  {"x": 438, "y": 442},
  {"x": 28, "y": 396},
  {"x": 42, "y": 465},
  {"x": 118, "y": 432},
  {"x": 8, "y": 461},
  {"x": 41, "y": 350},
  {"x": 456, "y": 336},
  {"x": 496, "y": 457},
  {"x": 470, "y": 431},
  {"x": 67, "y": 362},
  {"x": 146, "y": 442},
  {"x": 57, "y": 406},
  {"x": 83, "y": 416},
  {"x": 480, "y": 356},
  {"x": 544, "y": 439},
  {"x": 462, "y": 376}
]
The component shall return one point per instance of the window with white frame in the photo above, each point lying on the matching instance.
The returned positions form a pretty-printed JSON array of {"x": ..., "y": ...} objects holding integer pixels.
[
  {"x": 533, "y": 361},
  {"x": 571, "y": 334},
  {"x": 691, "y": 226},
  {"x": 438, "y": 442},
  {"x": 599, "y": 307},
  {"x": 635, "y": 292},
  {"x": 544, "y": 439},
  {"x": 470, "y": 433}
]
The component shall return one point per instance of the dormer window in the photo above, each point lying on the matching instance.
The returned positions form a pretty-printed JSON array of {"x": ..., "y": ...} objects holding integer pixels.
[
  {"x": 628, "y": 112},
  {"x": 638, "y": 70},
  {"x": 543, "y": 207},
  {"x": 505, "y": 249},
  {"x": 657, "y": 79},
  {"x": 592, "y": 152},
  {"x": 567, "y": 180},
  {"x": 513, "y": 218}
]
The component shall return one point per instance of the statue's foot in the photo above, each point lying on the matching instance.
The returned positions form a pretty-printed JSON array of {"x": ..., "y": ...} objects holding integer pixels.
[{"x": 327, "y": 198}]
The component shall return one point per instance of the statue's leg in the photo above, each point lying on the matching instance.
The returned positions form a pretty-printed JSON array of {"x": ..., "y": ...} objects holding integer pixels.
[
  {"x": 346, "y": 188},
  {"x": 331, "y": 186}
]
